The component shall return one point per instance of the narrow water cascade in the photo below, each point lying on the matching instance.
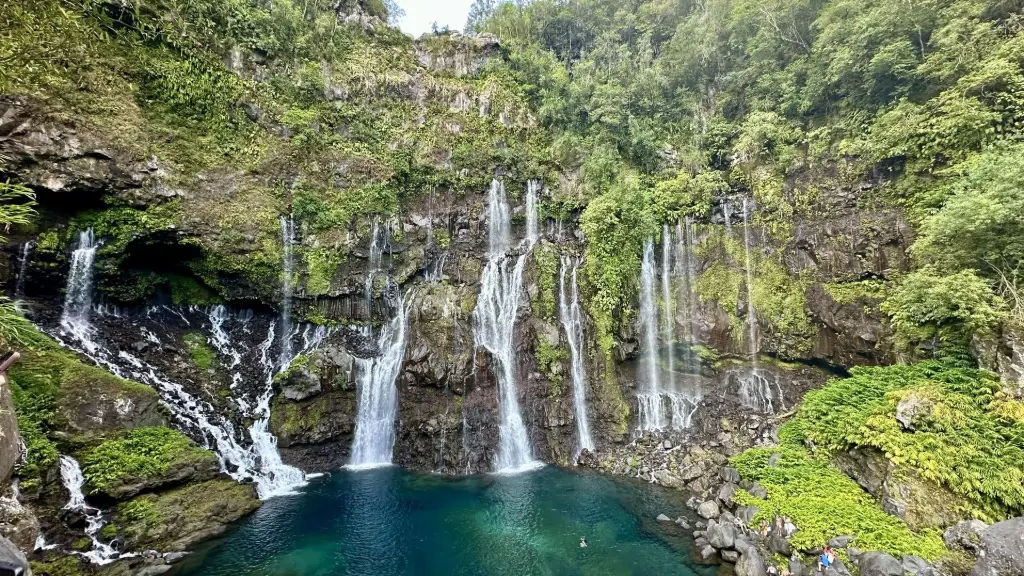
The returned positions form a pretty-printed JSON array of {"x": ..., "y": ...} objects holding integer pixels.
[
  {"x": 533, "y": 188},
  {"x": 571, "y": 316},
  {"x": 78, "y": 299},
  {"x": 651, "y": 416},
  {"x": 287, "y": 244},
  {"x": 377, "y": 392},
  {"x": 377, "y": 401},
  {"x": 685, "y": 397},
  {"x": 494, "y": 322},
  {"x": 23, "y": 260},
  {"x": 668, "y": 315},
  {"x": 73, "y": 479},
  {"x": 751, "y": 312}
]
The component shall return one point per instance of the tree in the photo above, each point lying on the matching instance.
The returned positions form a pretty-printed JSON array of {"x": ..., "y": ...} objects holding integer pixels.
[
  {"x": 479, "y": 12},
  {"x": 395, "y": 12}
]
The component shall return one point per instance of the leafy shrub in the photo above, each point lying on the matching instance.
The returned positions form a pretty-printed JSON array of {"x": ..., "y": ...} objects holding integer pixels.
[
  {"x": 969, "y": 439},
  {"x": 824, "y": 503},
  {"x": 143, "y": 453}
]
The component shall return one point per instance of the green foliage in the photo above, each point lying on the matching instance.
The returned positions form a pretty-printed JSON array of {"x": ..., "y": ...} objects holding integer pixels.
[
  {"x": 143, "y": 453},
  {"x": 931, "y": 305},
  {"x": 824, "y": 503},
  {"x": 546, "y": 258},
  {"x": 17, "y": 206},
  {"x": 616, "y": 225},
  {"x": 850, "y": 292},
  {"x": 61, "y": 566},
  {"x": 964, "y": 437},
  {"x": 551, "y": 361},
  {"x": 199, "y": 350}
]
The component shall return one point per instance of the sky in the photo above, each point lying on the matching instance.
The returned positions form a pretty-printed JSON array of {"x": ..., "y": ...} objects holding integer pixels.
[{"x": 420, "y": 14}]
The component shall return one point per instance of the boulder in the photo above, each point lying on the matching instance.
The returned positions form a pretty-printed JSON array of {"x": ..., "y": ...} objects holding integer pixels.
[
  {"x": 300, "y": 383},
  {"x": 837, "y": 569},
  {"x": 912, "y": 409},
  {"x": 1001, "y": 552},
  {"x": 965, "y": 536},
  {"x": 751, "y": 563},
  {"x": 779, "y": 545},
  {"x": 917, "y": 566},
  {"x": 707, "y": 552},
  {"x": 18, "y": 523},
  {"x": 746, "y": 514},
  {"x": 758, "y": 491},
  {"x": 663, "y": 518},
  {"x": 840, "y": 541},
  {"x": 879, "y": 564},
  {"x": 667, "y": 479},
  {"x": 721, "y": 535},
  {"x": 10, "y": 554},
  {"x": 797, "y": 568},
  {"x": 730, "y": 556},
  {"x": 728, "y": 474},
  {"x": 726, "y": 493},
  {"x": 708, "y": 509},
  {"x": 683, "y": 523}
]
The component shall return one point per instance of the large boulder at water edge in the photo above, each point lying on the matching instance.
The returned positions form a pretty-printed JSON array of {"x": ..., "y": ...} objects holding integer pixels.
[
  {"x": 879, "y": 564},
  {"x": 708, "y": 509},
  {"x": 721, "y": 535},
  {"x": 1001, "y": 552},
  {"x": 180, "y": 518}
]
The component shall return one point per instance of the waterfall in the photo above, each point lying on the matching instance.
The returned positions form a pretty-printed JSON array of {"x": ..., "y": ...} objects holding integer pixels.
[
  {"x": 751, "y": 314},
  {"x": 571, "y": 315},
  {"x": 73, "y": 480},
  {"x": 494, "y": 321},
  {"x": 533, "y": 188},
  {"x": 377, "y": 400},
  {"x": 651, "y": 417},
  {"x": 78, "y": 300},
  {"x": 755, "y": 387},
  {"x": 260, "y": 461},
  {"x": 378, "y": 395},
  {"x": 287, "y": 242},
  {"x": 26, "y": 252},
  {"x": 667, "y": 307}
]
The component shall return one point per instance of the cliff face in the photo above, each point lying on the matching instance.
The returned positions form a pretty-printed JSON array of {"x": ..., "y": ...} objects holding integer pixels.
[{"x": 371, "y": 189}]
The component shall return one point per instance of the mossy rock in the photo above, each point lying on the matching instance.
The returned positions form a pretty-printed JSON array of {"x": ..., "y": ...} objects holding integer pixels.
[
  {"x": 143, "y": 460},
  {"x": 314, "y": 421},
  {"x": 94, "y": 402},
  {"x": 180, "y": 518}
]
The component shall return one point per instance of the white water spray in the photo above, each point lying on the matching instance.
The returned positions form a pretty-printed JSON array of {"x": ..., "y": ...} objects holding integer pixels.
[
  {"x": 651, "y": 417},
  {"x": 494, "y": 321},
  {"x": 26, "y": 253},
  {"x": 78, "y": 299},
  {"x": 571, "y": 315},
  {"x": 73, "y": 480},
  {"x": 376, "y": 378}
]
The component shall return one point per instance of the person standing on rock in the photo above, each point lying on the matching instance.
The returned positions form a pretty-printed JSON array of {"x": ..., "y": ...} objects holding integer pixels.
[{"x": 788, "y": 528}]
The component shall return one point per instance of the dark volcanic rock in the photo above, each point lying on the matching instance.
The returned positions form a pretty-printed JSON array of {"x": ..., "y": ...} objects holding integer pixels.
[{"x": 1001, "y": 552}]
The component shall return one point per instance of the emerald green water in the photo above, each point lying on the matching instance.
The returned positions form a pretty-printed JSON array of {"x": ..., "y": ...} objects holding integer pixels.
[{"x": 387, "y": 522}]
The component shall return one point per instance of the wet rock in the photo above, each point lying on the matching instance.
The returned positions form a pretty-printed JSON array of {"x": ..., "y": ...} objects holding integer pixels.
[
  {"x": 879, "y": 564},
  {"x": 683, "y": 523},
  {"x": 708, "y": 509},
  {"x": 721, "y": 535},
  {"x": 301, "y": 383},
  {"x": 730, "y": 556},
  {"x": 707, "y": 552},
  {"x": 965, "y": 536},
  {"x": 840, "y": 541},
  {"x": 1001, "y": 552},
  {"x": 174, "y": 557},
  {"x": 663, "y": 518}
]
